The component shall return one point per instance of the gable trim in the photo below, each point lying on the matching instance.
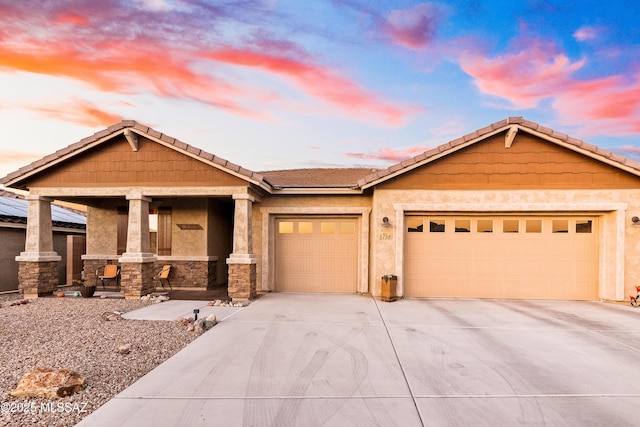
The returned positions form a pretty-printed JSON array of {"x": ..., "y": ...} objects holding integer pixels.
[
  {"x": 512, "y": 125},
  {"x": 131, "y": 131},
  {"x": 209, "y": 159}
]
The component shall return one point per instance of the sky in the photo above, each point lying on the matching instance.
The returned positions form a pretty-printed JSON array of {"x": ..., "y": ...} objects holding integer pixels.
[{"x": 316, "y": 83}]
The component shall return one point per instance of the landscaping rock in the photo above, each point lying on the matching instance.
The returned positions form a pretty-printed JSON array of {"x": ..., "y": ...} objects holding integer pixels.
[
  {"x": 124, "y": 349},
  {"x": 49, "y": 383},
  {"x": 199, "y": 327},
  {"x": 111, "y": 315}
]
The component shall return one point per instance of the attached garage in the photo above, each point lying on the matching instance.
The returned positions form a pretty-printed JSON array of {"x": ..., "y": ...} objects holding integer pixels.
[
  {"x": 316, "y": 254},
  {"x": 506, "y": 256}
]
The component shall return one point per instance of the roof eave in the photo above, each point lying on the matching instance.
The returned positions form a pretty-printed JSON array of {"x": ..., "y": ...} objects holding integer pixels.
[{"x": 317, "y": 190}]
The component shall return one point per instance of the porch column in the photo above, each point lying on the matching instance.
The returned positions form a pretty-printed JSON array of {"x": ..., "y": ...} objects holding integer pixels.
[
  {"x": 38, "y": 264},
  {"x": 242, "y": 262},
  {"x": 136, "y": 264}
]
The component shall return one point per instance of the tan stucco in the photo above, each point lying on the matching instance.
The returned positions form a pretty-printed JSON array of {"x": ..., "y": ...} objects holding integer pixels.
[
  {"x": 529, "y": 173},
  {"x": 102, "y": 237},
  {"x": 189, "y": 242},
  {"x": 271, "y": 208},
  {"x": 618, "y": 236}
]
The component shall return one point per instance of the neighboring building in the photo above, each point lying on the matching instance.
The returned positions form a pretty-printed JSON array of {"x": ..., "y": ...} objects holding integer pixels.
[
  {"x": 13, "y": 225},
  {"x": 513, "y": 210}
]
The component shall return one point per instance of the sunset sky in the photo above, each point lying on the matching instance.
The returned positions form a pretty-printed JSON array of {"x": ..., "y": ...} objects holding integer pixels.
[{"x": 287, "y": 84}]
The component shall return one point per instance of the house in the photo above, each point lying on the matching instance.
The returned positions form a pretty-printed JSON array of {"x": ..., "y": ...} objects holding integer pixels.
[
  {"x": 512, "y": 210},
  {"x": 68, "y": 228}
]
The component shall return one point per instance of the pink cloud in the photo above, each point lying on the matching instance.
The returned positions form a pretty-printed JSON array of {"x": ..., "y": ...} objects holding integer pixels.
[
  {"x": 318, "y": 81},
  {"x": 10, "y": 156},
  {"x": 630, "y": 149},
  {"x": 609, "y": 105},
  {"x": 126, "y": 67},
  {"x": 80, "y": 112},
  {"x": 389, "y": 154},
  {"x": 534, "y": 70},
  {"x": 71, "y": 18},
  {"x": 147, "y": 50},
  {"x": 587, "y": 33},
  {"x": 525, "y": 75},
  {"x": 413, "y": 28}
]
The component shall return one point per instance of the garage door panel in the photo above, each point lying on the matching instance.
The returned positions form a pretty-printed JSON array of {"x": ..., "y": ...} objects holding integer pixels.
[
  {"x": 540, "y": 263},
  {"x": 322, "y": 259}
]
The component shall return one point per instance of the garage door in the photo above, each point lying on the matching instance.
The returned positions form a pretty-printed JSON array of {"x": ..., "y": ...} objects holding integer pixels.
[
  {"x": 316, "y": 254},
  {"x": 501, "y": 257}
]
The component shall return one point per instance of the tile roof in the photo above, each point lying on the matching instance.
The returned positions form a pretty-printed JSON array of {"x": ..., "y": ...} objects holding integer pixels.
[
  {"x": 324, "y": 177},
  {"x": 316, "y": 177},
  {"x": 501, "y": 125},
  {"x": 118, "y": 128}
]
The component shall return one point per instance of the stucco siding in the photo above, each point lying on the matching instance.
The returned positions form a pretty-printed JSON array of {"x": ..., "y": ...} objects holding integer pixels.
[
  {"x": 102, "y": 237},
  {"x": 189, "y": 242},
  {"x": 12, "y": 245},
  {"x": 619, "y": 239}
]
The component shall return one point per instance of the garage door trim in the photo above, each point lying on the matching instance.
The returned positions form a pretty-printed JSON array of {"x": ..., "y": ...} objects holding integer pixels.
[
  {"x": 611, "y": 272},
  {"x": 269, "y": 215}
]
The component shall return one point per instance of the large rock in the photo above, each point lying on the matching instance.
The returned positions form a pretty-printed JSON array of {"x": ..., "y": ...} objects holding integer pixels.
[{"x": 49, "y": 383}]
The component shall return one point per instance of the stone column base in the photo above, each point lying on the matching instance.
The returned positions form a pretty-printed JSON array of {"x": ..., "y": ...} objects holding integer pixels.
[
  {"x": 37, "y": 278},
  {"x": 242, "y": 281},
  {"x": 136, "y": 279}
]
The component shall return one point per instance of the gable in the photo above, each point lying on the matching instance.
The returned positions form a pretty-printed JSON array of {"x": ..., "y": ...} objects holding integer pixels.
[
  {"x": 114, "y": 163},
  {"x": 530, "y": 163}
]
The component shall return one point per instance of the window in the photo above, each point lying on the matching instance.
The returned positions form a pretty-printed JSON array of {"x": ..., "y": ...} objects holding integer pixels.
[
  {"x": 415, "y": 225},
  {"x": 534, "y": 226},
  {"x": 510, "y": 226},
  {"x": 285, "y": 227},
  {"x": 463, "y": 225},
  {"x": 347, "y": 227},
  {"x": 305, "y": 227},
  {"x": 583, "y": 226},
  {"x": 485, "y": 226},
  {"x": 327, "y": 228},
  {"x": 560, "y": 226},
  {"x": 436, "y": 226}
]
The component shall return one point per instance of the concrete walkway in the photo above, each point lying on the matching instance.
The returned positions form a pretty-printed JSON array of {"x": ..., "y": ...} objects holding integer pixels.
[{"x": 342, "y": 360}]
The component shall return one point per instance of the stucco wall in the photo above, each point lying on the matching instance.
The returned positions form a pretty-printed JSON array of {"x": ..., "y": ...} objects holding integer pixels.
[
  {"x": 619, "y": 238},
  {"x": 102, "y": 236},
  {"x": 274, "y": 206},
  {"x": 189, "y": 242},
  {"x": 13, "y": 241},
  {"x": 12, "y": 245}
]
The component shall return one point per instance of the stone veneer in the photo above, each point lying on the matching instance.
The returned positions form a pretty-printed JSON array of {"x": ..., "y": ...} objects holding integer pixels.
[
  {"x": 136, "y": 279},
  {"x": 189, "y": 274},
  {"x": 37, "y": 278},
  {"x": 242, "y": 281},
  {"x": 184, "y": 274}
]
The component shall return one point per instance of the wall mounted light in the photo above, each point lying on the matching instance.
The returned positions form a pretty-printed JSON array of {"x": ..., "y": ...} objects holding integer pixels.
[
  {"x": 635, "y": 220},
  {"x": 386, "y": 223}
]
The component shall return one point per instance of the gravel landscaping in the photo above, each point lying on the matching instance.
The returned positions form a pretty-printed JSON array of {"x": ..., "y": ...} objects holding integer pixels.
[{"x": 72, "y": 333}]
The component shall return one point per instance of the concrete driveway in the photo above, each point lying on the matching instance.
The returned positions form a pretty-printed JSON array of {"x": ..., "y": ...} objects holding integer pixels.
[{"x": 338, "y": 360}]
